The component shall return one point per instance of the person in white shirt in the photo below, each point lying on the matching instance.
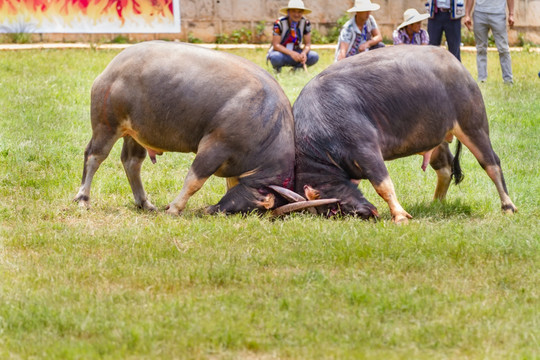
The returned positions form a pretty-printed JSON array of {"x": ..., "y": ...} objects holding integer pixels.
[{"x": 491, "y": 15}]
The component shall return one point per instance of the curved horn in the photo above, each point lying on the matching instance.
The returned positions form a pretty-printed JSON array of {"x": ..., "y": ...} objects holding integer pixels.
[
  {"x": 301, "y": 205},
  {"x": 287, "y": 194}
]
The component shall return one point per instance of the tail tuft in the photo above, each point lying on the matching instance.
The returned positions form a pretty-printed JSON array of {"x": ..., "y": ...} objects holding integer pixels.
[{"x": 457, "y": 174}]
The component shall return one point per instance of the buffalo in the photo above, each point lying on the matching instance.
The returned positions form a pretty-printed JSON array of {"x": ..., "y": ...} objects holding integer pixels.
[
  {"x": 176, "y": 97},
  {"x": 382, "y": 105}
]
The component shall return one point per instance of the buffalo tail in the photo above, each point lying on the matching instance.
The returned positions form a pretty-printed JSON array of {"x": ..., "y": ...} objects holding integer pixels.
[{"x": 457, "y": 174}]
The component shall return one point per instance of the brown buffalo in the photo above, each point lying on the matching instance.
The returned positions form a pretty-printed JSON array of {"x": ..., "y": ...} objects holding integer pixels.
[{"x": 162, "y": 96}]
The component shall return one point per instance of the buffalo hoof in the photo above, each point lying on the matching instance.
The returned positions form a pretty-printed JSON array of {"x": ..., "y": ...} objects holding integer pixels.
[
  {"x": 509, "y": 209},
  {"x": 401, "y": 218},
  {"x": 173, "y": 210},
  {"x": 83, "y": 201},
  {"x": 147, "y": 205}
]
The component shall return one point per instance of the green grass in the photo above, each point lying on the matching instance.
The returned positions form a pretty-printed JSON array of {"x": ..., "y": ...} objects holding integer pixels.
[{"x": 461, "y": 280}]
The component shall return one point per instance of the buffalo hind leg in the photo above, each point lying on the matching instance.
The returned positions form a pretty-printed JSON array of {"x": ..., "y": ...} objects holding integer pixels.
[
  {"x": 441, "y": 162},
  {"x": 96, "y": 152},
  {"x": 479, "y": 144},
  {"x": 132, "y": 157}
]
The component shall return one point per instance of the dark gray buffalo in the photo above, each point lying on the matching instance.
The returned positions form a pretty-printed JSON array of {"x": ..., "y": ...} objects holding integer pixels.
[
  {"x": 162, "y": 97},
  {"x": 383, "y": 105}
]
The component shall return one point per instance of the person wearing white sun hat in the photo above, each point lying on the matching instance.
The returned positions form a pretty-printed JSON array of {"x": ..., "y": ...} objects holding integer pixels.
[
  {"x": 360, "y": 33},
  {"x": 410, "y": 30},
  {"x": 289, "y": 33}
]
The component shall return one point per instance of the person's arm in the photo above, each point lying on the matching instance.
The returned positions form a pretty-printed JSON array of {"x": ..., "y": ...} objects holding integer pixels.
[
  {"x": 276, "y": 44},
  {"x": 467, "y": 19},
  {"x": 510, "y": 4},
  {"x": 307, "y": 47},
  {"x": 376, "y": 38},
  {"x": 342, "y": 54}
]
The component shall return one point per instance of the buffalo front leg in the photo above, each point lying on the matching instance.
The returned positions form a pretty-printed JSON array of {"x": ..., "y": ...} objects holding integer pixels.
[
  {"x": 96, "y": 151},
  {"x": 132, "y": 157},
  {"x": 385, "y": 189},
  {"x": 192, "y": 184},
  {"x": 210, "y": 157}
]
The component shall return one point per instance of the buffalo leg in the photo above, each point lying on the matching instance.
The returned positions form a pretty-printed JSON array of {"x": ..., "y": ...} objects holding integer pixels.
[
  {"x": 192, "y": 184},
  {"x": 441, "y": 162},
  {"x": 376, "y": 172},
  {"x": 97, "y": 150},
  {"x": 231, "y": 182},
  {"x": 132, "y": 157},
  {"x": 209, "y": 159},
  {"x": 478, "y": 143},
  {"x": 385, "y": 189}
]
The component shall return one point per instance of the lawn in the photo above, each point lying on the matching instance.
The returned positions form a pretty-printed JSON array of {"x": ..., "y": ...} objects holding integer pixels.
[{"x": 461, "y": 280}]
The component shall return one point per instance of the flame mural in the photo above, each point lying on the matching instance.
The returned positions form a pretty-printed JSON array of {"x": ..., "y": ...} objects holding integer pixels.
[{"x": 90, "y": 16}]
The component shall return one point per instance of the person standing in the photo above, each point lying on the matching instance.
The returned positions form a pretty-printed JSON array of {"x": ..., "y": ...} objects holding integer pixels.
[
  {"x": 491, "y": 14},
  {"x": 445, "y": 16},
  {"x": 360, "y": 33},
  {"x": 289, "y": 33}
]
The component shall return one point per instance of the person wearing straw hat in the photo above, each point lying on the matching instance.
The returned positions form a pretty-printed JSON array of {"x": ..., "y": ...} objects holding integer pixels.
[
  {"x": 289, "y": 32},
  {"x": 360, "y": 33},
  {"x": 410, "y": 30}
]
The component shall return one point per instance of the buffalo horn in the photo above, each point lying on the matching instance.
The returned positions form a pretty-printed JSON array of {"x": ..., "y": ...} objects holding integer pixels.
[
  {"x": 301, "y": 205},
  {"x": 287, "y": 194}
]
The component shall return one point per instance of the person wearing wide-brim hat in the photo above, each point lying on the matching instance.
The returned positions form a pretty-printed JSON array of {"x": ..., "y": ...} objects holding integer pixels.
[
  {"x": 360, "y": 33},
  {"x": 410, "y": 30},
  {"x": 289, "y": 33}
]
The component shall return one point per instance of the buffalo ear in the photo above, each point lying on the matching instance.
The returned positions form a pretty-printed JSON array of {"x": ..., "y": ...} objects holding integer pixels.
[
  {"x": 268, "y": 202},
  {"x": 301, "y": 205},
  {"x": 311, "y": 193}
]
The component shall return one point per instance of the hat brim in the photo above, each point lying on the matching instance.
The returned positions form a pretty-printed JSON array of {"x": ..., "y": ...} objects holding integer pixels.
[
  {"x": 415, "y": 19},
  {"x": 371, "y": 7},
  {"x": 285, "y": 9}
]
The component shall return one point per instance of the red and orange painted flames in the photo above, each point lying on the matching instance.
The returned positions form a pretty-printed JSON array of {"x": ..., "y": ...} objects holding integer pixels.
[{"x": 94, "y": 9}]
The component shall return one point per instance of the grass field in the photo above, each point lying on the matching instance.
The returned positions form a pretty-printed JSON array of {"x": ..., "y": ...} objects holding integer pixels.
[{"x": 460, "y": 281}]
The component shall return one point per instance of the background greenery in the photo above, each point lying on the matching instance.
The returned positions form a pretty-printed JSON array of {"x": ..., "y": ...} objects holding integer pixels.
[{"x": 460, "y": 281}]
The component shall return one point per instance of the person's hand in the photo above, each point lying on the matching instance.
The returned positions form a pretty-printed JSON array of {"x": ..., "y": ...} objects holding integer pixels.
[
  {"x": 362, "y": 47},
  {"x": 304, "y": 58},
  {"x": 296, "y": 57},
  {"x": 511, "y": 20},
  {"x": 468, "y": 22}
]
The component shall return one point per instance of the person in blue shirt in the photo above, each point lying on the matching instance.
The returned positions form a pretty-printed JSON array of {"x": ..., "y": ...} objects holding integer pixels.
[{"x": 360, "y": 33}]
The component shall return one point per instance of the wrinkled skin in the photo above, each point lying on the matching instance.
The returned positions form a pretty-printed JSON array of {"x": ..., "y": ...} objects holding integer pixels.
[
  {"x": 382, "y": 105},
  {"x": 171, "y": 97}
]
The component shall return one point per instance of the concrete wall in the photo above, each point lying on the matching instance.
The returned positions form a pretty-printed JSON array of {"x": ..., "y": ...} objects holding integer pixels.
[{"x": 205, "y": 19}]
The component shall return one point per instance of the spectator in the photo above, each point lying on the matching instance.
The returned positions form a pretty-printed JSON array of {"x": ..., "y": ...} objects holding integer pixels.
[
  {"x": 491, "y": 14},
  {"x": 289, "y": 33},
  {"x": 410, "y": 30},
  {"x": 360, "y": 33},
  {"x": 445, "y": 16}
]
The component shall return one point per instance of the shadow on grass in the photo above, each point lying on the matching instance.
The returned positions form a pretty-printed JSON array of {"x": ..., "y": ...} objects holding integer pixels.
[{"x": 441, "y": 210}]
